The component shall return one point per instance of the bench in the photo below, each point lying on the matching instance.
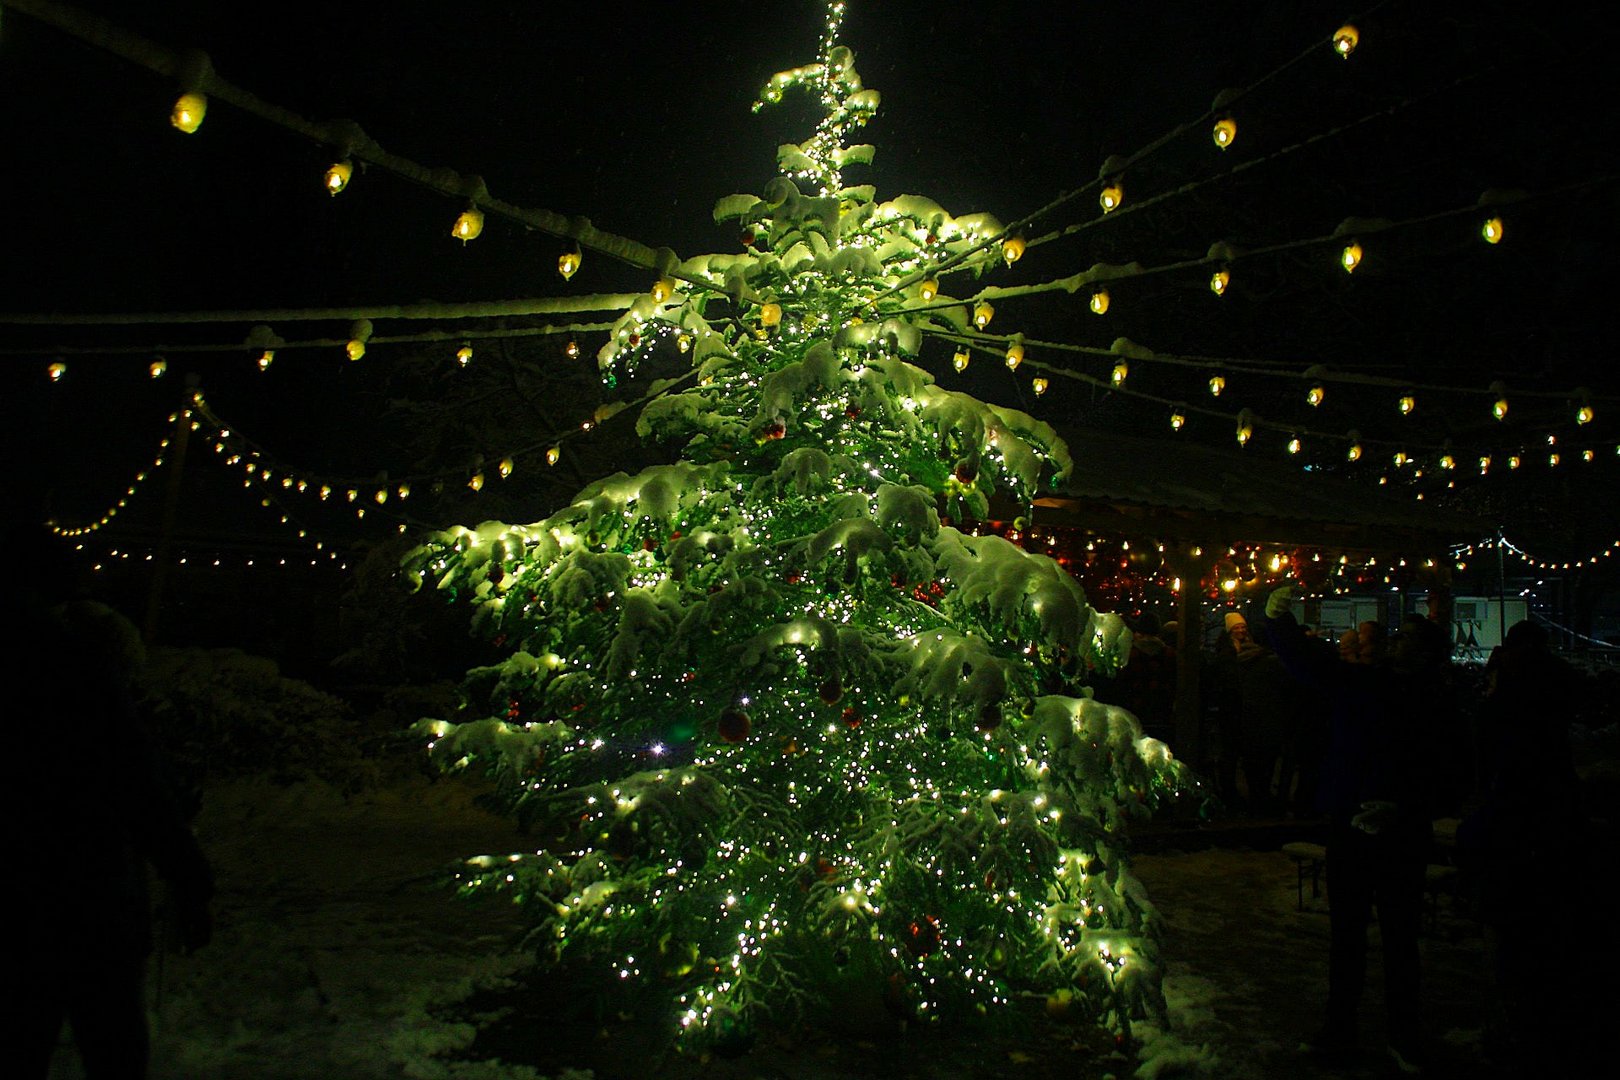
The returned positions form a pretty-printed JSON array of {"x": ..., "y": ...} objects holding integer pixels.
[{"x": 1309, "y": 859}]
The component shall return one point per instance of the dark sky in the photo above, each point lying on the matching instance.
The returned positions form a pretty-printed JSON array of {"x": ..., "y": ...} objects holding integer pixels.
[{"x": 637, "y": 116}]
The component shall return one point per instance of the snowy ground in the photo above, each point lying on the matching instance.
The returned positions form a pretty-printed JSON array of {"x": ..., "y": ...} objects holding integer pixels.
[{"x": 339, "y": 954}]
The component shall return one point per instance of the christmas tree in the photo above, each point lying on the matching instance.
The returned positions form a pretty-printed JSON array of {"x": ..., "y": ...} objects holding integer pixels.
[{"x": 782, "y": 733}]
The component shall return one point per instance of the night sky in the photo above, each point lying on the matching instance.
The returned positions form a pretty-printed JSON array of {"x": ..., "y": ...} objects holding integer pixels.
[{"x": 637, "y": 116}]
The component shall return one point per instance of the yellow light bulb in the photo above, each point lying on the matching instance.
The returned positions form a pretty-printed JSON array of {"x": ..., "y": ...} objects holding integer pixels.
[
  {"x": 1217, "y": 383},
  {"x": 1354, "y": 453},
  {"x": 553, "y": 455},
  {"x": 267, "y": 358},
  {"x": 381, "y": 496},
  {"x": 1345, "y": 40},
  {"x": 505, "y": 467},
  {"x": 469, "y": 225},
  {"x": 326, "y": 492},
  {"x": 1176, "y": 421},
  {"x": 1099, "y": 302},
  {"x": 928, "y": 289},
  {"x": 189, "y": 110},
  {"x": 1224, "y": 132},
  {"x": 1583, "y": 415},
  {"x": 960, "y": 360},
  {"x": 571, "y": 350},
  {"x": 1406, "y": 404},
  {"x": 404, "y": 491},
  {"x": 477, "y": 482},
  {"x": 1553, "y": 460},
  {"x": 662, "y": 290},
  {"x": 1587, "y": 455},
  {"x": 1219, "y": 280},
  {"x": 1293, "y": 447},
  {"x": 56, "y": 371},
  {"x": 1315, "y": 395},
  {"x": 683, "y": 342},
  {"x": 464, "y": 355},
  {"x": 1112, "y": 195},
  {"x": 1500, "y": 409},
  {"x": 1245, "y": 432},
  {"x": 1485, "y": 464},
  {"x": 1121, "y": 372},
  {"x": 770, "y": 314},
  {"x": 1447, "y": 461},
  {"x": 1513, "y": 461},
  {"x": 1350, "y": 257},
  {"x": 157, "y": 367},
  {"x": 568, "y": 263},
  {"x": 1012, "y": 249},
  {"x": 337, "y": 176},
  {"x": 1015, "y": 356},
  {"x": 1492, "y": 230},
  {"x": 355, "y": 348},
  {"x": 982, "y": 315},
  {"x": 1039, "y": 385},
  {"x": 1400, "y": 458}
]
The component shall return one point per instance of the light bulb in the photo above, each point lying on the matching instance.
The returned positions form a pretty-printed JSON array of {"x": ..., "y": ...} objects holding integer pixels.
[
  {"x": 662, "y": 290},
  {"x": 1350, "y": 257},
  {"x": 189, "y": 110},
  {"x": 355, "y": 348},
  {"x": 571, "y": 350},
  {"x": 552, "y": 455},
  {"x": 1121, "y": 371},
  {"x": 928, "y": 289},
  {"x": 1345, "y": 40},
  {"x": 770, "y": 314},
  {"x": 1099, "y": 302},
  {"x": 1400, "y": 458},
  {"x": 464, "y": 355},
  {"x": 505, "y": 467},
  {"x": 267, "y": 358},
  {"x": 568, "y": 263},
  {"x": 157, "y": 367},
  {"x": 1500, "y": 408},
  {"x": 1492, "y": 230},
  {"x": 1039, "y": 385},
  {"x": 1015, "y": 356},
  {"x": 337, "y": 176},
  {"x": 477, "y": 482},
  {"x": 1224, "y": 132},
  {"x": 1177, "y": 420},
  {"x": 56, "y": 371},
  {"x": 1012, "y": 249},
  {"x": 1112, "y": 195},
  {"x": 1217, "y": 383},
  {"x": 1315, "y": 394},
  {"x": 1294, "y": 445},
  {"x": 1447, "y": 461},
  {"x": 468, "y": 225},
  {"x": 1219, "y": 280},
  {"x": 960, "y": 360},
  {"x": 982, "y": 315},
  {"x": 1354, "y": 453}
]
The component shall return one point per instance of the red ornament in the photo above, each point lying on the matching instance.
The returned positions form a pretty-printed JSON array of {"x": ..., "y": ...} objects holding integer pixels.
[
  {"x": 635, "y": 339},
  {"x": 852, "y": 719},
  {"x": 852, "y": 411},
  {"x": 922, "y": 936},
  {"x": 831, "y": 690},
  {"x": 966, "y": 471},
  {"x": 748, "y": 237},
  {"x": 734, "y": 725},
  {"x": 773, "y": 431}
]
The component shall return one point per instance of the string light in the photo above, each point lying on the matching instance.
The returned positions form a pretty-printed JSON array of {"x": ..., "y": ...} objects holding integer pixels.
[
  {"x": 1039, "y": 385},
  {"x": 1224, "y": 132},
  {"x": 1099, "y": 302},
  {"x": 1406, "y": 403},
  {"x": 188, "y": 112},
  {"x": 337, "y": 176},
  {"x": 1354, "y": 452},
  {"x": 55, "y": 371},
  {"x": 1217, "y": 383},
  {"x": 359, "y": 335},
  {"x": 1245, "y": 427},
  {"x": 1219, "y": 280},
  {"x": 1015, "y": 356},
  {"x": 960, "y": 360},
  {"x": 469, "y": 225},
  {"x": 1492, "y": 230},
  {"x": 1113, "y": 193},
  {"x": 1122, "y": 370},
  {"x": 1499, "y": 408},
  {"x": 982, "y": 314},
  {"x": 1293, "y": 444},
  {"x": 464, "y": 355},
  {"x": 1177, "y": 419},
  {"x": 1345, "y": 40},
  {"x": 157, "y": 368},
  {"x": 1350, "y": 257},
  {"x": 568, "y": 263},
  {"x": 928, "y": 288},
  {"x": 1012, "y": 249},
  {"x": 266, "y": 358},
  {"x": 553, "y": 455},
  {"x": 662, "y": 290}
]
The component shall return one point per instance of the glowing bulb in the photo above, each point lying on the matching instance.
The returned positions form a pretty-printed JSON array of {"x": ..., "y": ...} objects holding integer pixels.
[
  {"x": 1121, "y": 371},
  {"x": 1219, "y": 280},
  {"x": 1224, "y": 132},
  {"x": 381, "y": 496},
  {"x": 1485, "y": 464},
  {"x": 157, "y": 367},
  {"x": 355, "y": 348},
  {"x": 1447, "y": 461},
  {"x": 1039, "y": 385},
  {"x": 1400, "y": 458},
  {"x": 1245, "y": 432},
  {"x": 337, "y": 176},
  {"x": 267, "y": 358},
  {"x": 56, "y": 371},
  {"x": 568, "y": 263},
  {"x": 553, "y": 455},
  {"x": 189, "y": 110},
  {"x": 1177, "y": 420},
  {"x": 1345, "y": 40},
  {"x": 1293, "y": 445},
  {"x": 982, "y": 315},
  {"x": 1513, "y": 461},
  {"x": 683, "y": 342},
  {"x": 571, "y": 350},
  {"x": 1350, "y": 257},
  {"x": 1112, "y": 195},
  {"x": 960, "y": 360},
  {"x": 1354, "y": 453},
  {"x": 1015, "y": 356},
  {"x": 1500, "y": 408},
  {"x": 477, "y": 482},
  {"x": 1583, "y": 415},
  {"x": 1315, "y": 394},
  {"x": 928, "y": 289},
  {"x": 1099, "y": 302},
  {"x": 1406, "y": 404},
  {"x": 1217, "y": 383},
  {"x": 1492, "y": 230},
  {"x": 770, "y": 314},
  {"x": 662, "y": 290},
  {"x": 505, "y": 467},
  {"x": 1012, "y": 249},
  {"x": 464, "y": 355},
  {"x": 1553, "y": 459},
  {"x": 468, "y": 225}
]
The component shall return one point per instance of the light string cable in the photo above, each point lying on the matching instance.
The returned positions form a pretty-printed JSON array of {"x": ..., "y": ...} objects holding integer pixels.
[{"x": 141, "y": 475}]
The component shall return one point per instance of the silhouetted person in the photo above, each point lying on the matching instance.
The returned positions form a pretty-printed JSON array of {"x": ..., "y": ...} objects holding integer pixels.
[
  {"x": 1233, "y": 652},
  {"x": 1146, "y": 685},
  {"x": 1528, "y": 832},
  {"x": 90, "y": 808},
  {"x": 1376, "y": 791}
]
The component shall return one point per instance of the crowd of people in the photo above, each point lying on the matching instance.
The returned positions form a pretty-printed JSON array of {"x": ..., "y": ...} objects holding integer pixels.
[{"x": 1369, "y": 738}]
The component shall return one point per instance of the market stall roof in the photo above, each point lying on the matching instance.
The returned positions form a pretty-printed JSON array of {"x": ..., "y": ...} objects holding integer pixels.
[{"x": 1173, "y": 489}]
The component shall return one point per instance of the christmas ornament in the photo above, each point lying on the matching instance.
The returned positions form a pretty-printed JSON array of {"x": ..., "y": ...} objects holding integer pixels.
[{"x": 733, "y": 725}]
